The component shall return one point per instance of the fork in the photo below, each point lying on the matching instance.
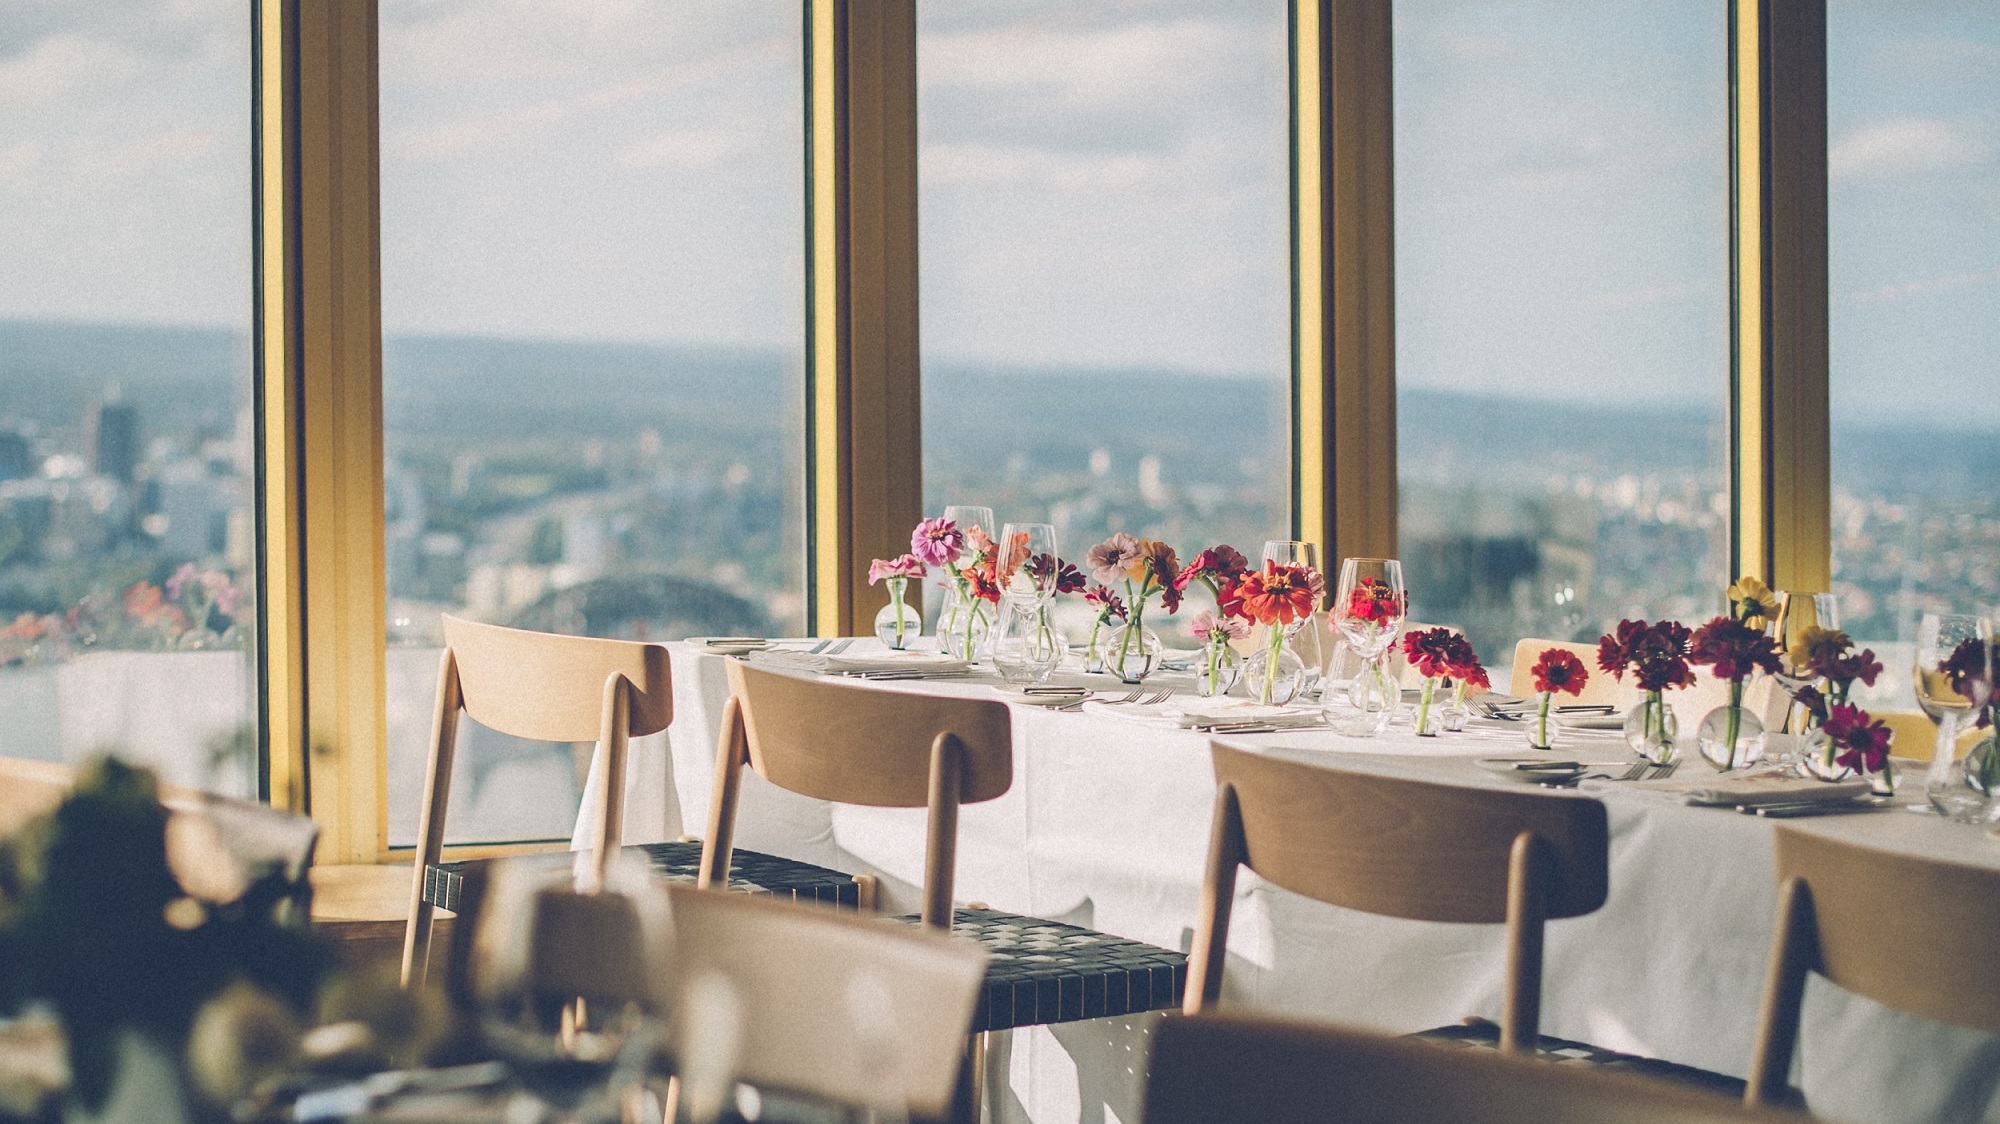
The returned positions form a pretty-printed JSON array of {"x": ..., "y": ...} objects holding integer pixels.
[
  {"x": 1662, "y": 772},
  {"x": 1128, "y": 698},
  {"x": 839, "y": 646}
]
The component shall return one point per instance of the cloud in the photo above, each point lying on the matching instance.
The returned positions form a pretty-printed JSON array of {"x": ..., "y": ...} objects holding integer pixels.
[
  {"x": 1130, "y": 64},
  {"x": 691, "y": 148},
  {"x": 61, "y": 67},
  {"x": 950, "y": 164},
  {"x": 1905, "y": 146},
  {"x": 1924, "y": 287}
]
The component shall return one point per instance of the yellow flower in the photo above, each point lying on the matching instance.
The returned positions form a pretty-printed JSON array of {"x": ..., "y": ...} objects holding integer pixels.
[
  {"x": 1816, "y": 648},
  {"x": 1753, "y": 602}
]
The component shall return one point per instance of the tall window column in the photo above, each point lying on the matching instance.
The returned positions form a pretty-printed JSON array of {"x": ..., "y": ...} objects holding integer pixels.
[
  {"x": 1343, "y": 279},
  {"x": 1780, "y": 465},
  {"x": 863, "y": 423}
]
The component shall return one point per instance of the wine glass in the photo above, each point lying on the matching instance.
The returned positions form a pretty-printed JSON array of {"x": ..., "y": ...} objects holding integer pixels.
[
  {"x": 1369, "y": 604},
  {"x": 1955, "y": 787},
  {"x": 966, "y": 516},
  {"x": 1021, "y": 569},
  {"x": 1798, "y": 612}
]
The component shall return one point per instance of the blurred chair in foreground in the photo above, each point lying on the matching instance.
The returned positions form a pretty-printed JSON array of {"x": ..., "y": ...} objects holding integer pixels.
[
  {"x": 1223, "y": 1067},
  {"x": 1844, "y": 910},
  {"x": 1423, "y": 852}
]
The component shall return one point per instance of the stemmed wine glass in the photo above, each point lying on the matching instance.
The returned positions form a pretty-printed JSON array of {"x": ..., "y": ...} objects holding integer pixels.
[
  {"x": 967, "y": 516},
  {"x": 1956, "y": 788},
  {"x": 1025, "y": 645},
  {"x": 1369, "y": 606}
]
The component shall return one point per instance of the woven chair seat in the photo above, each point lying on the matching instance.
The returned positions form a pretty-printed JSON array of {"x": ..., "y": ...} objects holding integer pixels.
[
  {"x": 749, "y": 872},
  {"x": 1548, "y": 1048},
  {"x": 1042, "y": 971}
]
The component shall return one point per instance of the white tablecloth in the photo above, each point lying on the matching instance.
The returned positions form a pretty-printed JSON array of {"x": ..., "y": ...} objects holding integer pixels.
[{"x": 1107, "y": 825}]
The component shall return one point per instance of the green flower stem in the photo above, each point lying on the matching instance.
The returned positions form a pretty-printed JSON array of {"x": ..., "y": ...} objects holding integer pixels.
[
  {"x": 1732, "y": 722},
  {"x": 1271, "y": 663},
  {"x": 1656, "y": 720},
  {"x": 1424, "y": 706},
  {"x": 896, "y": 587},
  {"x": 1542, "y": 720}
]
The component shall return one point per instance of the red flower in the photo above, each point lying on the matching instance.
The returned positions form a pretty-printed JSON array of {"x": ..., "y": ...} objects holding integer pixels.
[
  {"x": 1864, "y": 742},
  {"x": 982, "y": 583},
  {"x": 1278, "y": 594},
  {"x": 1219, "y": 566},
  {"x": 1433, "y": 651},
  {"x": 1733, "y": 649},
  {"x": 1464, "y": 663},
  {"x": 1560, "y": 672},
  {"x": 1160, "y": 569},
  {"x": 1374, "y": 600},
  {"x": 1862, "y": 666},
  {"x": 1656, "y": 654},
  {"x": 1044, "y": 567},
  {"x": 1107, "y": 602}
]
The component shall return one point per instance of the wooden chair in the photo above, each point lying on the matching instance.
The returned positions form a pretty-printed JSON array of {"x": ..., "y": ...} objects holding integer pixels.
[
  {"x": 1840, "y": 907},
  {"x": 1222, "y": 1067},
  {"x": 1419, "y": 851},
  {"x": 544, "y": 687},
  {"x": 856, "y": 744}
]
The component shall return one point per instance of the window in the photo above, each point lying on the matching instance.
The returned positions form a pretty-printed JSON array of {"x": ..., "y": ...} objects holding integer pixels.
[
  {"x": 1562, "y": 315},
  {"x": 127, "y": 584},
  {"x": 1913, "y": 136},
  {"x": 1104, "y": 288},
  {"x": 592, "y": 309}
]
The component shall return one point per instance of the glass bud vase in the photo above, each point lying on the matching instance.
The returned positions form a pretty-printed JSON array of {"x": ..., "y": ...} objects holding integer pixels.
[
  {"x": 1129, "y": 650},
  {"x": 962, "y": 625},
  {"x": 1819, "y": 757},
  {"x": 1652, "y": 730},
  {"x": 1215, "y": 672},
  {"x": 1284, "y": 686},
  {"x": 1371, "y": 700},
  {"x": 1961, "y": 788},
  {"x": 898, "y": 624},
  {"x": 1731, "y": 737},
  {"x": 1025, "y": 646},
  {"x": 1542, "y": 728}
]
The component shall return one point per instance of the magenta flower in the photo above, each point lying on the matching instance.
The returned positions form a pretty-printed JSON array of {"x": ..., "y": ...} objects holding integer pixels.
[
  {"x": 908, "y": 566},
  {"x": 937, "y": 542},
  {"x": 1206, "y": 624},
  {"x": 177, "y": 584}
]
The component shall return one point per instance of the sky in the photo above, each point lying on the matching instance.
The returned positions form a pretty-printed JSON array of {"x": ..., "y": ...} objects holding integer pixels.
[{"x": 1103, "y": 184}]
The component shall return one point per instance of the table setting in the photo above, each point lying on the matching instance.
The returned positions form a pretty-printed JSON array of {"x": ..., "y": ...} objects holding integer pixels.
[{"x": 1107, "y": 821}]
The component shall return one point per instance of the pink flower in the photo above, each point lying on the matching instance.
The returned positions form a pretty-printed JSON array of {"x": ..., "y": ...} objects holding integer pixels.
[
  {"x": 937, "y": 542},
  {"x": 907, "y": 566},
  {"x": 1206, "y": 625},
  {"x": 1115, "y": 559},
  {"x": 177, "y": 584}
]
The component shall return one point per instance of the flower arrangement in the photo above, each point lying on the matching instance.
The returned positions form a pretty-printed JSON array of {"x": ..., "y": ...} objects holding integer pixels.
[
  {"x": 1657, "y": 656},
  {"x": 1827, "y": 655},
  {"x": 192, "y": 608},
  {"x": 897, "y": 572},
  {"x": 1440, "y": 654},
  {"x": 1969, "y": 672},
  {"x": 1219, "y": 568},
  {"x": 968, "y": 560},
  {"x": 1146, "y": 568},
  {"x": 1109, "y": 608},
  {"x": 1557, "y": 671},
  {"x": 1278, "y": 595},
  {"x": 1855, "y": 740},
  {"x": 1736, "y": 646}
]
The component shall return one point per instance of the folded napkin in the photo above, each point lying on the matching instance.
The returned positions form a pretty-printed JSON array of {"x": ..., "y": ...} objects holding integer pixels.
[
  {"x": 1764, "y": 786},
  {"x": 1204, "y": 713},
  {"x": 931, "y": 663}
]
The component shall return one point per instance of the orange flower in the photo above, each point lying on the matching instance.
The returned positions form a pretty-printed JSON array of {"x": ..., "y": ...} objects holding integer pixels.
[
  {"x": 143, "y": 600},
  {"x": 1276, "y": 595}
]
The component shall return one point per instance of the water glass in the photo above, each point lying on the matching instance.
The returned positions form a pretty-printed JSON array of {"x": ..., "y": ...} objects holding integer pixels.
[
  {"x": 1370, "y": 604},
  {"x": 1027, "y": 562},
  {"x": 1957, "y": 788},
  {"x": 966, "y": 517}
]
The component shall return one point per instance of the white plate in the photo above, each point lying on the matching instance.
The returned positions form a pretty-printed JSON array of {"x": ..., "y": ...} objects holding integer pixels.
[
  {"x": 728, "y": 645},
  {"x": 1042, "y": 697},
  {"x": 1590, "y": 721}
]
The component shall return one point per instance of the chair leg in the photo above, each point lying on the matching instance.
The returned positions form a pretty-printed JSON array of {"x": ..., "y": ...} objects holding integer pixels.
[{"x": 430, "y": 826}]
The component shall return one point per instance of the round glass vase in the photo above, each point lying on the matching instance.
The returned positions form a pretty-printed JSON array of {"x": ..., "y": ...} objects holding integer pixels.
[
  {"x": 1818, "y": 756},
  {"x": 1129, "y": 650},
  {"x": 1370, "y": 701},
  {"x": 1025, "y": 647},
  {"x": 1962, "y": 789},
  {"x": 1279, "y": 689},
  {"x": 1215, "y": 672},
  {"x": 962, "y": 625},
  {"x": 1652, "y": 730},
  {"x": 1729, "y": 736},
  {"x": 898, "y": 624}
]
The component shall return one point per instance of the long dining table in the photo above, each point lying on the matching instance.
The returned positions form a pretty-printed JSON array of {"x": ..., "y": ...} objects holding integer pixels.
[{"x": 1107, "y": 826}]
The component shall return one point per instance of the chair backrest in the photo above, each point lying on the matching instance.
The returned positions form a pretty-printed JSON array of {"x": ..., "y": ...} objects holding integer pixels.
[
  {"x": 1221, "y": 1067},
  {"x": 854, "y": 744},
  {"x": 862, "y": 1013},
  {"x": 1402, "y": 848},
  {"x": 1601, "y": 689},
  {"x": 1408, "y": 848},
  {"x": 30, "y": 790},
  {"x": 1844, "y": 909},
  {"x": 550, "y": 688}
]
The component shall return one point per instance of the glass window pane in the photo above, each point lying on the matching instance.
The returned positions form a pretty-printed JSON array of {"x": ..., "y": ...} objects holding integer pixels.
[
  {"x": 127, "y": 559},
  {"x": 1562, "y": 315},
  {"x": 1913, "y": 155},
  {"x": 592, "y": 273},
  {"x": 1106, "y": 332}
]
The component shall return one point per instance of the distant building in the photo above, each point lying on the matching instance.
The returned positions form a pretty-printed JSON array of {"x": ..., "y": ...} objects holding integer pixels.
[
  {"x": 17, "y": 461},
  {"x": 111, "y": 435}
]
